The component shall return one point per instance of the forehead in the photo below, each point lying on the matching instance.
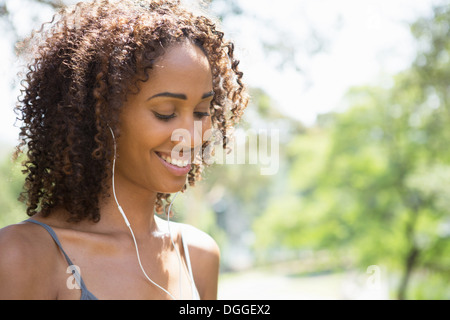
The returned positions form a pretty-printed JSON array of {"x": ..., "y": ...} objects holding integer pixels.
[
  {"x": 182, "y": 63},
  {"x": 182, "y": 54}
]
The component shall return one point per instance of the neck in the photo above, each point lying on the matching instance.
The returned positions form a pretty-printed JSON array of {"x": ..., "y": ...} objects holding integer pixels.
[{"x": 137, "y": 205}]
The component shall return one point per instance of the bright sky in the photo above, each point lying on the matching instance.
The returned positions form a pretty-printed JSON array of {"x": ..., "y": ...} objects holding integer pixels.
[{"x": 366, "y": 41}]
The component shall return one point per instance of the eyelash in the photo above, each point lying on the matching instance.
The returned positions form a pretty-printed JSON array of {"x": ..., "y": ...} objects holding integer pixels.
[
  {"x": 201, "y": 115},
  {"x": 166, "y": 118}
]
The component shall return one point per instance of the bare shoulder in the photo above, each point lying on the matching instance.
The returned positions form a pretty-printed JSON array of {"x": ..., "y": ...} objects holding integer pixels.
[
  {"x": 205, "y": 260},
  {"x": 24, "y": 257},
  {"x": 200, "y": 241},
  {"x": 16, "y": 246}
]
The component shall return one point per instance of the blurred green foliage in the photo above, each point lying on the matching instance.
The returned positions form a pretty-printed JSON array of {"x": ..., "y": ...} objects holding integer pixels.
[
  {"x": 11, "y": 182},
  {"x": 372, "y": 185}
]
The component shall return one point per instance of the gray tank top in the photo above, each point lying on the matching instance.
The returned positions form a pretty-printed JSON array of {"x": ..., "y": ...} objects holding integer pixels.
[{"x": 85, "y": 293}]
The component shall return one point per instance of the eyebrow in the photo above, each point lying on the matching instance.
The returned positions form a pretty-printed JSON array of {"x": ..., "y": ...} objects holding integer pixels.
[
  {"x": 181, "y": 96},
  {"x": 208, "y": 94}
]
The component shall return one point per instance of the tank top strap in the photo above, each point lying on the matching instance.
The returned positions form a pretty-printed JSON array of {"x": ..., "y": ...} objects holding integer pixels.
[
  {"x": 55, "y": 238},
  {"x": 85, "y": 294},
  {"x": 195, "y": 294}
]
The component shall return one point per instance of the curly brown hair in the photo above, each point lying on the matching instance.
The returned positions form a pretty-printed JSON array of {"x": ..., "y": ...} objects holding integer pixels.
[{"x": 84, "y": 64}]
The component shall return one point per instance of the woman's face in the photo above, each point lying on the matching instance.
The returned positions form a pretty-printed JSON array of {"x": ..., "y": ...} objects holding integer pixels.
[{"x": 175, "y": 99}]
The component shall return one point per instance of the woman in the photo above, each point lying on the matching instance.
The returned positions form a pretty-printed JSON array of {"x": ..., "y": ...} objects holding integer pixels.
[{"x": 109, "y": 84}]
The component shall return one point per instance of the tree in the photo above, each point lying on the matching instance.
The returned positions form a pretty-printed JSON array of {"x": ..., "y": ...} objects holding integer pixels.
[
  {"x": 380, "y": 195},
  {"x": 11, "y": 182}
]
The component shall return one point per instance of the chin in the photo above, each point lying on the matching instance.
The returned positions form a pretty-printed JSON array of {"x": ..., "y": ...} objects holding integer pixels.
[{"x": 173, "y": 188}]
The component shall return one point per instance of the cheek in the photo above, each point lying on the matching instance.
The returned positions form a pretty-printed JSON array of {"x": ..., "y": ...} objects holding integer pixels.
[
  {"x": 143, "y": 132},
  {"x": 138, "y": 140},
  {"x": 156, "y": 134}
]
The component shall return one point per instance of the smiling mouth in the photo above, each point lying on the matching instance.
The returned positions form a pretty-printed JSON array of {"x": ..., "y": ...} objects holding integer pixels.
[{"x": 181, "y": 163}]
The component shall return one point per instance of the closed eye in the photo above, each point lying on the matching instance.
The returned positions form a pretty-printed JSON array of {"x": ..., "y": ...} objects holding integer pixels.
[
  {"x": 200, "y": 115},
  {"x": 163, "y": 116}
]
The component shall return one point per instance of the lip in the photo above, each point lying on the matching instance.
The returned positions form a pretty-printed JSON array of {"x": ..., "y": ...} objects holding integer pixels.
[{"x": 176, "y": 171}]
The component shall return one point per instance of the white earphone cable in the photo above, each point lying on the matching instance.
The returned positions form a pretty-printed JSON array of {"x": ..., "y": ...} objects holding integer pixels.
[
  {"x": 173, "y": 244},
  {"x": 131, "y": 230}
]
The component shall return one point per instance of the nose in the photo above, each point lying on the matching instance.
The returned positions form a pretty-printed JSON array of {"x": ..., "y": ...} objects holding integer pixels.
[{"x": 188, "y": 138}]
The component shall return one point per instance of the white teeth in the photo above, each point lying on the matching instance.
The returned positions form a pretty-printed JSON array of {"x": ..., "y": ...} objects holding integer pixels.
[{"x": 176, "y": 162}]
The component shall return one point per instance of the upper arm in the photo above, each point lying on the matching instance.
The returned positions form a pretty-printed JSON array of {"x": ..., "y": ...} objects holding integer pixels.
[
  {"x": 21, "y": 274},
  {"x": 205, "y": 260}
]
